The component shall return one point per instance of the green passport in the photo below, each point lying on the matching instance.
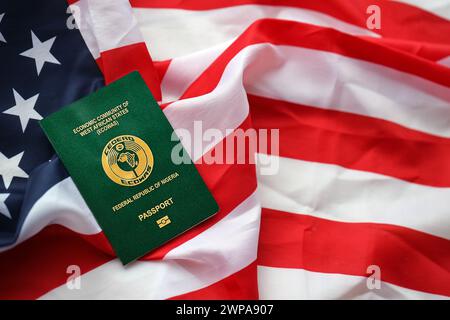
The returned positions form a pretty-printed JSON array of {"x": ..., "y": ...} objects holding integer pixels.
[{"x": 117, "y": 146}]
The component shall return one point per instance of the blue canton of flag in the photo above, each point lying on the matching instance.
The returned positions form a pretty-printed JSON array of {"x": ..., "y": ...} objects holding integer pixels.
[{"x": 45, "y": 65}]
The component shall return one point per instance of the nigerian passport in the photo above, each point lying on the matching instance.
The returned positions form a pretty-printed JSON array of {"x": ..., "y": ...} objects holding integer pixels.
[{"x": 117, "y": 146}]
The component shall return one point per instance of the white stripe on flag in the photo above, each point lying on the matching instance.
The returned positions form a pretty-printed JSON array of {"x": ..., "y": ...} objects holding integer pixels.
[
  {"x": 336, "y": 193},
  {"x": 445, "y": 61},
  {"x": 284, "y": 283},
  {"x": 84, "y": 22},
  {"x": 331, "y": 81},
  {"x": 189, "y": 31},
  {"x": 226, "y": 107},
  {"x": 183, "y": 71},
  {"x": 115, "y": 25},
  {"x": 325, "y": 80}
]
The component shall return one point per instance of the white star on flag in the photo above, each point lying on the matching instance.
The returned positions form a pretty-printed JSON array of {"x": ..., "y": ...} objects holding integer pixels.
[
  {"x": 9, "y": 168},
  {"x": 24, "y": 109},
  {"x": 3, "y": 208},
  {"x": 2, "y": 38},
  {"x": 40, "y": 52}
]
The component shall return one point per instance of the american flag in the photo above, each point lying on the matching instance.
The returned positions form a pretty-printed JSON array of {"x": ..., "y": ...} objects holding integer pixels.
[{"x": 360, "y": 93}]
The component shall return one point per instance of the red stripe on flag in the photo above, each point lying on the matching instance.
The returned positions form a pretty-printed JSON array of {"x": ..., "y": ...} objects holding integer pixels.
[
  {"x": 407, "y": 258},
  {"x": 118, "y": 62},
  {"x": 430, "y": 51},
  {"x": 354, "y": 141},
  {"x": 161, "y": 67},
  {"x": 39, "y": 265},
  {"x": 242, "y": 285}
]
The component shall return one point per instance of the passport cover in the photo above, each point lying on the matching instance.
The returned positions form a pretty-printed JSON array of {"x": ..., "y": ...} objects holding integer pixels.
[{"x": 116, "y": 144}]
